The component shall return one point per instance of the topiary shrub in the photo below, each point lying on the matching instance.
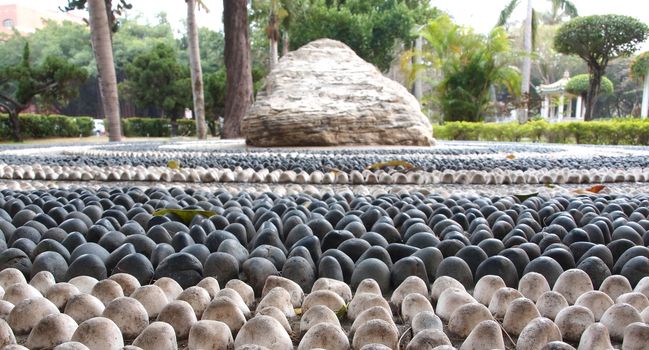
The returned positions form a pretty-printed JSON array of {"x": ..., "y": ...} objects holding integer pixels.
[{"x": 579, "y": 85}]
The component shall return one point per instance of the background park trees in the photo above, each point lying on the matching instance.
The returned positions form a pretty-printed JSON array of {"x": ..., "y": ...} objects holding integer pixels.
[
  {"x": 597, "y": 40},
  {"x": 468, "y": 75}
]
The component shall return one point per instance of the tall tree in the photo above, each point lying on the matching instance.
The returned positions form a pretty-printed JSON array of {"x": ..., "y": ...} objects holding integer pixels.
[
  {"x": 53, "y": 80},
  {"x": 238, "y": 93},
  {"x": 103, "y": 21},
  {"x": 195, "y": 69},
  {"x": 103, "y": 50},
  {"x": 529, "y": 34},
  {"x": 596, "y": 40}
]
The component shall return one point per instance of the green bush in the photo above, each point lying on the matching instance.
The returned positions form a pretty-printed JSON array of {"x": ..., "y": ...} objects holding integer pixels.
[
  {"x": 186, "y": 127},
  {"x": 623, "y": 131},
  {"x": 156, "y": 127},
  {"x": 35, "y": 126},
  {"x": 146, "y": 127}
]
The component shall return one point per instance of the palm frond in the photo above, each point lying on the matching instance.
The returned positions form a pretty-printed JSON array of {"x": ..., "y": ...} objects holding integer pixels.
[
  {"x": 201, "y": 5},
  {"x": 506, "y": 13},
  {"x": 568, "y": 8}
]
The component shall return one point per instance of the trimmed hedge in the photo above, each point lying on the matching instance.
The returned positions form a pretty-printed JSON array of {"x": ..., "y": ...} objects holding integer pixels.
[
  {"x": 157, "y": 127},
  {"x": 625, "y": 131},
  {"x": 36, "y": 126}
]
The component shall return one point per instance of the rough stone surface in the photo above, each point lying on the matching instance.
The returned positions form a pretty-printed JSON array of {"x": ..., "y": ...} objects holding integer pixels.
[{"x": 324, "y": 94}]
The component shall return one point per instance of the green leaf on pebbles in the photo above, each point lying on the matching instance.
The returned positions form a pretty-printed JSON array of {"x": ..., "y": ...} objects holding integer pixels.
[
  {"x": 186, "y": 215},
  {"x": 523, "y": 197},
  {"x": 342, "y": 311},
  {"x": 173, "y": 164}
]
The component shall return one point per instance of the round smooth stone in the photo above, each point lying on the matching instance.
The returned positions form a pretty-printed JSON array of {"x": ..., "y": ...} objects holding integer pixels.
[
  {"x": 136, "y": 265},
  {"x": 17, "y": 259},
  {"x": 499, "y": 266},
  {"x": 299, "y": 270},
  {"x": 255, "y": 271},
  {"x": 50, "y": 261},
  {"x": 87, "y": 265},
  {"x": 222, "y": 266},
  {"x": 596, "y": 269},
  {"x": 457, "y": 269},
  {"x": 182, "y": 267},
  {"x": 373, "y": 269},
  {"x": 547, "y": 267},
  {"x": 408, "y": 267}
]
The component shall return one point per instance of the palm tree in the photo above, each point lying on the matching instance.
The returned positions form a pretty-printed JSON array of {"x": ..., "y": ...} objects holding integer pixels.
[
  {"x": 467, "y": 65},
  {"x": 195, "y": 68},
  {"x": 238, "y": 66},
  {"x": 103, "y": 51},
  {"x": 529, "y": 33},
  {"x": 277, "y": 11}
]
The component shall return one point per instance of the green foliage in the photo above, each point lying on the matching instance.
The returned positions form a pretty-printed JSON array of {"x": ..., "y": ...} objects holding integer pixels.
[
  {"x": 54, "y": 81},
  {"x": 623, "y": 131},
  {"x": 66, "y": 39},
  {"x": 211, "y": 48},
  {"x": 469, "y": 63},
  {"x": 579, "y": 85},
  {"x": 371, "y": 28},
  {"x": 36, "y": 126},
  {"x": 640, "y": 66},
  {"x": 158, "y": 80},
  {"x": 214, "y": 93}
]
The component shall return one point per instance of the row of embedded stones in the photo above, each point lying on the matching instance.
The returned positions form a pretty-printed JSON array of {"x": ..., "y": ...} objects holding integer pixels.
[
  {"x": 248, "y": 175},
  {"x": 89, "y": 314}
]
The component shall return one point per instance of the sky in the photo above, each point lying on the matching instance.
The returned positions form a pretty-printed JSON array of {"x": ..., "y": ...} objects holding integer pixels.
[{"x": 480, "y": 14}]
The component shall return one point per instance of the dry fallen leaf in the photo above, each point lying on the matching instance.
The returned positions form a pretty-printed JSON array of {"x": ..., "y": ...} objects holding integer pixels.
[
  {"x": 596, "y": 188},
  {"x": 332, "y": 170},
  {"x": 591, "y": 190},
  {"x": 510, "y": 156}
]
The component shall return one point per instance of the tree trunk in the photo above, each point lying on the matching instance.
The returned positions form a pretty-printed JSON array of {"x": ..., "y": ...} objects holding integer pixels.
[
  {"x": 103, "y": 50},
  {"x": 14, "y": 122},
  {"x": 527, "y": 65},
  {"x": 593, "y": 91},
  {"x": 645, "y": 97},
  {"x": 238, "y": 90},
  {"x": 286, "y": 41},
  {"x": 196, "y": 70},
  {"x": 418, "y": 87},
  {"x": 273, "y": 53}
]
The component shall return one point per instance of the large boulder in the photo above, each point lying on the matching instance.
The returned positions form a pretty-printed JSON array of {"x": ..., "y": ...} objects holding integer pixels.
[{"x": 323, "y": 94}]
